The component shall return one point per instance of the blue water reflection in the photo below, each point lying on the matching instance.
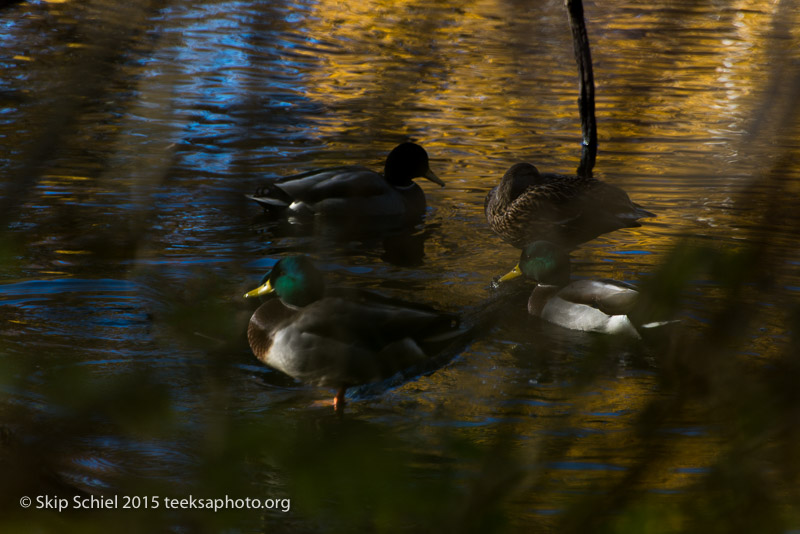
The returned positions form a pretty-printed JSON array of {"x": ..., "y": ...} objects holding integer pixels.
[{"x": 127, "y": 252}]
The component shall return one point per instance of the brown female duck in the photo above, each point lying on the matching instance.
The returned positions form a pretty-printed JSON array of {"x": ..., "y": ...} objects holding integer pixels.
[{"x": 568, "y": 210}]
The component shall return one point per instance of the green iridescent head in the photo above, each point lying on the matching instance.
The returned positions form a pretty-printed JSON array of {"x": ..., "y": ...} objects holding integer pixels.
[
  {"x": 544, "y": 262},
  {"x": 294, "y": 279}
]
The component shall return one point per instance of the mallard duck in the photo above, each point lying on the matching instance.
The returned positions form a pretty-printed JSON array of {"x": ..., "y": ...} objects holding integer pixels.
[
  {"x": 340, "y": 338},
  {"x": 589, "y": 305},
  {"x": 353, "y": 191},
  {"x": 568, "y": 210}
]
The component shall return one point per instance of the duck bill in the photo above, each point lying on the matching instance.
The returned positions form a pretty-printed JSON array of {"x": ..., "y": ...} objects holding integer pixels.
[
  {"x": 433, "y": 178},
  {"x": 515, "y": 272},
  {"x": 264, "y": 289}
]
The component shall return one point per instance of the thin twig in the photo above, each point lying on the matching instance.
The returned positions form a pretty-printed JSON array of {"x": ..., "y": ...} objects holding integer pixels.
[{"x": 583, "y": 57}]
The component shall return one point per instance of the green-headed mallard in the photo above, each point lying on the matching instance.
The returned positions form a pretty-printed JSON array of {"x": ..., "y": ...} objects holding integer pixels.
[
  {"x": 352, "y": 192},
  {"x": 568, "y": 210},
  {"x": 588, "y": 305},
  {"x": 340, "y": 338}
]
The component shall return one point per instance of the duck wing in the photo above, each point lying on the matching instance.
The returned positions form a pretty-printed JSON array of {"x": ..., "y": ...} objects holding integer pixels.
[
  {"x": 373, "y": 323},
  {"x": 609, "y": 296},
  {"x": 564, "y": 209},
  {"x": 325, "y": 191},
  {"x": 547, "y": 210},
  {"x": 585, "y": 317},
  {"x": 338, "y": 342},
  {"x": 610, "y": 207},
  {"x": 339, "y": 182},
  {"x": 587, "y": 305}
]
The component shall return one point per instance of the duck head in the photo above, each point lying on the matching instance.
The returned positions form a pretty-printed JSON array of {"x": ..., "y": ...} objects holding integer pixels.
[
  {"x": 406, "y": 162},
  {"x": 517, "y": 179},
  {"x": 544, "y": 262},
  {"x": 294, "y": 280}
]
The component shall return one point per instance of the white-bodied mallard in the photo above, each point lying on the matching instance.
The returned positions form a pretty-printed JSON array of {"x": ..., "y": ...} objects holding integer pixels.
[
  {"x": 340, "y": 338},
  {"x": 568, "y": 210},
  {"x": 589, "y": 305},
  {"x": 352, "y": 192}
]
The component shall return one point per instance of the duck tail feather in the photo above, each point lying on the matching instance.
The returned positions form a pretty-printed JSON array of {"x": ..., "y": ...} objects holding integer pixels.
[
  {"x": 271, "y": 198},
  {"x": 659, "y": 324}
]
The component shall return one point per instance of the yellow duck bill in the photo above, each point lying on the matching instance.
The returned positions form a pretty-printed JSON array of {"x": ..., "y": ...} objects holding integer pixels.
[
  {"x": 515, "y": 272},
  {"x": 264, "y": 289}
]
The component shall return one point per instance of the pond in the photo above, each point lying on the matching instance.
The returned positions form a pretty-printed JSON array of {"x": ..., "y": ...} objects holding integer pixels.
[{"x": 131, "y": 134}]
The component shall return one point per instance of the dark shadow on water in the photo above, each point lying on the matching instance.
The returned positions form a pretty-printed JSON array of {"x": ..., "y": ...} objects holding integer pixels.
[{"x": 398, "y": 243}]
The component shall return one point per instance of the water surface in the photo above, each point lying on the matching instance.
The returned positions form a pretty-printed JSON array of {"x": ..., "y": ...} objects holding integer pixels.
[{"x": 131, "y": 133}]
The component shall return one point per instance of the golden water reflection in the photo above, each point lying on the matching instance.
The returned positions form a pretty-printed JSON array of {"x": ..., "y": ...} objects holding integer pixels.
[{"x": 137, "y": 173}]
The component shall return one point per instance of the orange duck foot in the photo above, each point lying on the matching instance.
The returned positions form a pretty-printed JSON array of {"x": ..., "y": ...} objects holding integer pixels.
[{"x": 338, "y": 401}]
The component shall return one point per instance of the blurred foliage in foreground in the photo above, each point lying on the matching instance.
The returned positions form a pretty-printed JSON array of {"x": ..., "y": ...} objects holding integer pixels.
[
  {"x": 345, "y": 474},
  {"x": 351, "y": 475}
]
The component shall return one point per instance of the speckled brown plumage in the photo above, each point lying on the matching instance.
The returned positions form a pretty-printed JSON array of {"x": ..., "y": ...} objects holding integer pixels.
[{"x": 568, "y": 210}]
